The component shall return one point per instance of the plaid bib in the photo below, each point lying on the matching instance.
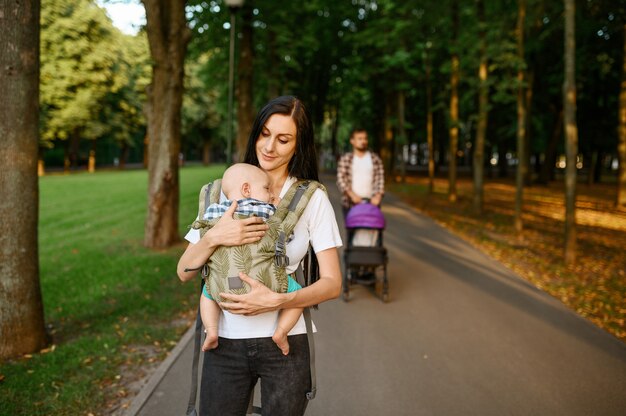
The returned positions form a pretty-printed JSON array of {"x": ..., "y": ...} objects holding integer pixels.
[{"x": 246, "y": 207}]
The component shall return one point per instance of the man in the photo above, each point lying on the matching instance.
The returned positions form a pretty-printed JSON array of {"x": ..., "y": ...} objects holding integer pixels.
[{"x": 360, "y": 173}]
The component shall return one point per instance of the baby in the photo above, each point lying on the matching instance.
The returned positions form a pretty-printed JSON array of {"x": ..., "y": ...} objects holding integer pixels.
[{"x": 250, "y": 187}]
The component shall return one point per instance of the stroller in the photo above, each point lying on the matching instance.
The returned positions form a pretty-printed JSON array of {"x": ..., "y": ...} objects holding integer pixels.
[{"x": 365, "y": 258}]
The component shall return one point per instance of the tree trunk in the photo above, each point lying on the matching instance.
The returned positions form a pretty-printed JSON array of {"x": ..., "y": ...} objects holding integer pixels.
[
  {"x": 333, "y": 136},
  {"x": 454, "y": 105},
  {"x": 547, "y": 169},
  {"x": 123, "y": 156},
  {"x": 91, "y": 164},
  {"x": 273, "y": 79},
  {"x": 521, "y": 119},
  {"x": 401, "y": 140},
  {"x": 571, "y": 132},
  {"x": 22, "y": 327},
  {"x": 528, "y": 100},
  {"x": 245, "y": 112},
  {"x": 483, "y": 113},
  {"x": 74, "y": 150},
  {"x": 206, "y": 152},
  {"x": 429, "y": 130},
  {"x": 91, "y": 167},
  {"x": 597, "y": 170},
  {"x": 146, "y": 143},
  {"x": 591, "y": 167},
  {"x": 621, "y": 147},
  {"x": 386, "y": 148},
  {"x": 168, "y": 36},
  {"x": 41, "y": 166},
  {"x": 66, "y": 157}
]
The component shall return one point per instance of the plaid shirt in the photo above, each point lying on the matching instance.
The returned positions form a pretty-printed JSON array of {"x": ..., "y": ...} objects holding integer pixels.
[
  {"x": 246, "y": 207},
  {"x": 344, "y": 176}
]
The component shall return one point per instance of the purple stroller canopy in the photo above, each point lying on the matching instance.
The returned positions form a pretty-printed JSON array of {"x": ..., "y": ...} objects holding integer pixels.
[{"x": 365, "y": 215}]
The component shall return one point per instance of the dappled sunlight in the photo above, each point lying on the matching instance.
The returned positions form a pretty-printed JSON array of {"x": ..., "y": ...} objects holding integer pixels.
[
  {"x": 601, "y": 219},
  {"x": 547, "y": 202},
  {"x": 593, "y": 287}
]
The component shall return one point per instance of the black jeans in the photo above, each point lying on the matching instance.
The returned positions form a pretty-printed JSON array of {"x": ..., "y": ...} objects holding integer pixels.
[{"x": 230, "y": 372}]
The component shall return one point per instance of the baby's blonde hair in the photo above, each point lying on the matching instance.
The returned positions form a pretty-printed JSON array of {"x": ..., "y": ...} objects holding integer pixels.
[{"x": 235, "y": 176}]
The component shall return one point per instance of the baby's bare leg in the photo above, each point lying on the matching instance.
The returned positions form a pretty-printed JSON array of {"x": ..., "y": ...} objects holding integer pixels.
[
  {"x": 286, "y": 321},
  {"x": 210, "y": 313}
]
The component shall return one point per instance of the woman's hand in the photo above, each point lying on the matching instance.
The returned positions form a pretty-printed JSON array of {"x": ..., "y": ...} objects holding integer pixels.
[
  {"x": 231, "y": 232},
  {"x": 226, "y": 232},
  {"x": 259, "y": 300}
]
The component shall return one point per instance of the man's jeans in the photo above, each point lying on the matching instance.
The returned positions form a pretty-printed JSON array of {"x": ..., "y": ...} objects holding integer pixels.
[{"x": 230, "y": 372}]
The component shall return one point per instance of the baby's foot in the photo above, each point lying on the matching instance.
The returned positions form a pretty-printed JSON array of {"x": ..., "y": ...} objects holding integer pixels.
[
  {"x": 280, "y": 338},
  {"x": 210, "y": 341}
]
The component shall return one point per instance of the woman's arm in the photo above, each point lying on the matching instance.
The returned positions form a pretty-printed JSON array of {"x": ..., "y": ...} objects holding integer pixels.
[
  {"x": 226, "y": 232},
  {"x": 195, "y": 256},
  {"x": 260, "y": 299}
]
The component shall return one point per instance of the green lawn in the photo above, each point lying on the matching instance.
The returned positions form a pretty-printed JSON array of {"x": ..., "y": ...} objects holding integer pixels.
[{"x": 111, "y": 306}]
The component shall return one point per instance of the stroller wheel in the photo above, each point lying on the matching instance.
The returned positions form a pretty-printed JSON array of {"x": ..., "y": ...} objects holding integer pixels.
[
  {"x": 382, "y": 286},
  {"x": 385, "y": 289},
  {"x": 345, "y": 293}
]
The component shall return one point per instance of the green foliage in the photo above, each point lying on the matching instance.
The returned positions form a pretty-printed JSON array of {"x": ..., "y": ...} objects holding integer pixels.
[
  {"x": 111, "y": 305},
  {"x": 93, "y": 77},
  {"x": 201, "y": 116},
  {"x": 346, "y": 60}
]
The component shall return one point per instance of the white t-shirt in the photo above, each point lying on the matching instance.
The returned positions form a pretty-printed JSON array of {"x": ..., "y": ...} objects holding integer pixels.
[
  {"x": 363, "y": 175},
  {"x": 318, "y": 226}
]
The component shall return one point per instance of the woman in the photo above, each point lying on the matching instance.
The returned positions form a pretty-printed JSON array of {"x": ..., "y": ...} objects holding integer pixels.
[{"x": 281, "y": 143}]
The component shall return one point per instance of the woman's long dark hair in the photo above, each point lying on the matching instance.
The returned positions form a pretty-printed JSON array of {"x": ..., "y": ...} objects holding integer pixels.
[{"x": 303, "y": 164}]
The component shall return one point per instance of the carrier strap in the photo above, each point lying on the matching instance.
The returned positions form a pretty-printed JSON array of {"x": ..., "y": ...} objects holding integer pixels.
[
  {"x": 203, "y": 202},
  {"x": 309, "y": 334},
  {"x": 292, "y": 206},
  {"x": 209, "y": 194},
  {"x": 286, "y": 217},
  {"x": 191, "y": 404},
  {"x": 252, "y": 409},
  {"x": 296, "y": 197}
]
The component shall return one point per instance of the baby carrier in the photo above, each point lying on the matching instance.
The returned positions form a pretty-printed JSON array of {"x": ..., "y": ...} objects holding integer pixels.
[{"x": 265, "y": 261}]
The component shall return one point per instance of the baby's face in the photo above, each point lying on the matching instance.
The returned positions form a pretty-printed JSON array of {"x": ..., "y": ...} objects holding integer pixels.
[{"x": 260, "y": 188}]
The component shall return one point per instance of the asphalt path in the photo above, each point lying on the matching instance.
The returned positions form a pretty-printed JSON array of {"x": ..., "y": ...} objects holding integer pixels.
[{"x": 461, "y": 335}]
